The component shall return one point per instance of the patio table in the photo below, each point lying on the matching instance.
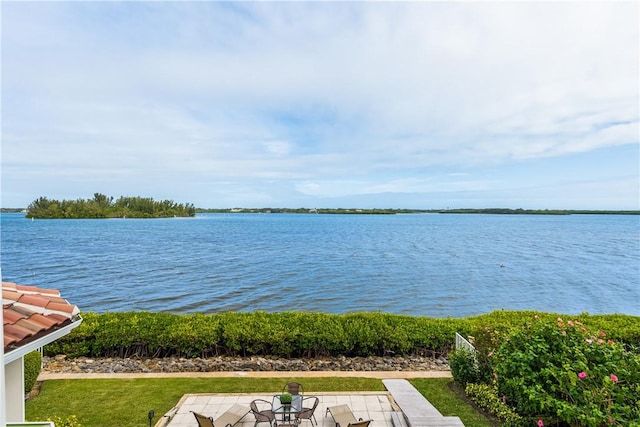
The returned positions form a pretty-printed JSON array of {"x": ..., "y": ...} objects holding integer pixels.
[{"x": 286, "y": 411}]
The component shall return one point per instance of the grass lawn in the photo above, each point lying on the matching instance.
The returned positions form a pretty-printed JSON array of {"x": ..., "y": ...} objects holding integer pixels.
[
  {"x": 126, "y": 402},
  {"x": 438, "y": 392}
]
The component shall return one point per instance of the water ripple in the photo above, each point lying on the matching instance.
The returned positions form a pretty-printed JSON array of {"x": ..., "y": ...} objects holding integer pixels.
[{"x": 434, "y": 265}]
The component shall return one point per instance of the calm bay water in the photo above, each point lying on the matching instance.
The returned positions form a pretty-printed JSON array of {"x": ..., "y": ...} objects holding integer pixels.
[{"x": 427, "y": 264}]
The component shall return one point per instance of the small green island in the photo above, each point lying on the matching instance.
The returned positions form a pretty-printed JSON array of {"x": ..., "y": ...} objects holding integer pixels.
[{"x": 102, "y": 206}]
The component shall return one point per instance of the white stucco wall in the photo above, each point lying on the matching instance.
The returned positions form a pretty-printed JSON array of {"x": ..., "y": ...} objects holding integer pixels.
[{"x": 14, "y": 390}]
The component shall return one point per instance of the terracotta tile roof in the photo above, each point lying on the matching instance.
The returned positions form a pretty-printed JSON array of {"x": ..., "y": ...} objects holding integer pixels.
[{"x": 30, "y": 313}]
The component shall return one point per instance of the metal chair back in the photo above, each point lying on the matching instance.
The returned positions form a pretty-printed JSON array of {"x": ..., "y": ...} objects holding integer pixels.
[
  {"x": 203, "y": 420},
  {"x": 294, "y": 388},
  {"x": 307, "y": 412}
]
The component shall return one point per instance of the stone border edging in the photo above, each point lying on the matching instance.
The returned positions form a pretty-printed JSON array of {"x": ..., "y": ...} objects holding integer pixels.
[{"x": 44, "y": 376}]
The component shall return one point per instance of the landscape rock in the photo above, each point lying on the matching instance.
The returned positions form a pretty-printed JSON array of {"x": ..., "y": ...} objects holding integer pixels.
[{"x": 62, "y": 364}]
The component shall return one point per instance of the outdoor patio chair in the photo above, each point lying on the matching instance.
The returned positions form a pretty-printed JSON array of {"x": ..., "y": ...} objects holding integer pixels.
[
  {"x": 343, "y": 417},
  {"x": 294, "y": 388},
  {"x": 262, "y": 415},
  {"x": 307, "y": 411},
  {"x": 203, "y": 420},
  {"x": 229, "y": 418}
]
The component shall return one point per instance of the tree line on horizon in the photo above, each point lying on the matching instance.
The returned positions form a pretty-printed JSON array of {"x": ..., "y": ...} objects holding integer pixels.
[
  {"x": 102, "y": 206},
  {"x": 70, "y": 208},
  {"x": 389, "y": 211}
]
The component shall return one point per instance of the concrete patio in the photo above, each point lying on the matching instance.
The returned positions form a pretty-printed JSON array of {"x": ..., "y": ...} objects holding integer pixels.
[{"x": 376, "y": 406}]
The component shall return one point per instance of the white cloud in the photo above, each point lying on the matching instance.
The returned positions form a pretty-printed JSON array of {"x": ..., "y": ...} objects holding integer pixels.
[
  {"x": 278, "y": 148},
  {"x": 320, "y": 98}
]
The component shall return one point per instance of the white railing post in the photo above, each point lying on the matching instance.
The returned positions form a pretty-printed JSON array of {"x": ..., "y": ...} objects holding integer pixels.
[{"x": 462, "y": 342}]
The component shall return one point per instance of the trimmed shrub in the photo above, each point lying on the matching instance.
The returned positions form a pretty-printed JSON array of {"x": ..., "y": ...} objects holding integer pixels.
[
  {"x": 32, "y": 367},
  {"x": 71, "y": 421},
  {"x": 297, "y": 334},
  {"x": 486, "y": 397}
]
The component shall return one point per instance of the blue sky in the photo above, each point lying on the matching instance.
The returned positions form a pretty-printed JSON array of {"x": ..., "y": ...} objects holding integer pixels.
[{"x": 323, "y": 104}]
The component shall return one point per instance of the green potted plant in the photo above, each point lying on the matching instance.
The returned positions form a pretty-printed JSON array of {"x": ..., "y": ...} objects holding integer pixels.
[{"x": 286, "y": 398}]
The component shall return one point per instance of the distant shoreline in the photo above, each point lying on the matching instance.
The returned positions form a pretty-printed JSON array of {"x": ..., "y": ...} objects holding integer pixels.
[
  {"x": 355, "y": 211},
  {"x": 492, "y": 211}
]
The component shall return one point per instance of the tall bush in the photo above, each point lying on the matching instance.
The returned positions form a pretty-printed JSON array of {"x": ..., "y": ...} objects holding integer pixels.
[
  {"x": 469, "y": 367},
  {"x": 563, "y": 372},
  {"x": 464, "y": 366}
]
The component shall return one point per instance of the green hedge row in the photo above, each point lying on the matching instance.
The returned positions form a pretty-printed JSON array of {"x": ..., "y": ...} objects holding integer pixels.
[
  {"x": 32, "y": 367},
  {"x": 297, "y": 334}
]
